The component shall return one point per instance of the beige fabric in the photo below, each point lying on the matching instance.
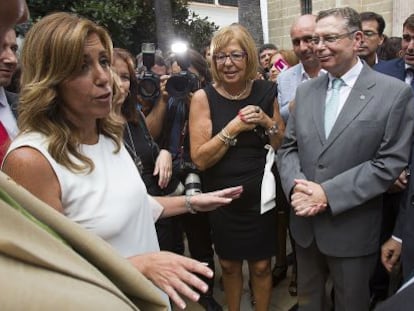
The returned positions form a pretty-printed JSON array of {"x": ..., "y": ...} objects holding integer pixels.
[{"x": 39, "y": 272}]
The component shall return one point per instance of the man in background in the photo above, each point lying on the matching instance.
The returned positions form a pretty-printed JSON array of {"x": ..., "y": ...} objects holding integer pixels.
[
  {"x": 373, "y": 26},
  {"x": 8, "y": 100},
  {"x": 309, "y": 67},
  {"x": 266, "y": 52}
]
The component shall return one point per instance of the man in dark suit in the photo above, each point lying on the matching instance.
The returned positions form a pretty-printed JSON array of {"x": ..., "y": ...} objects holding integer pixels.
[
  {"x": 402, "y": 68},
  {"x": 347, "y": 140},
  {"x": 8, "y": 100}
]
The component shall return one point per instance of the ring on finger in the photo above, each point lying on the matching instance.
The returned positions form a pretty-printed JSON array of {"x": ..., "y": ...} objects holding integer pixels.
[{"x": 257, "y": 109}]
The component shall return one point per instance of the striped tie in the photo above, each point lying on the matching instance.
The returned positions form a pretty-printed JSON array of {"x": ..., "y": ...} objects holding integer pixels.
[{"x": 331, "y": 106}]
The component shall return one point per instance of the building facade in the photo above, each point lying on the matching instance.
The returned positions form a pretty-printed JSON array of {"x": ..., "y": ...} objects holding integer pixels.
[
  {"x": 281, "y": 14},
  {"x": 221, "y": 12}
]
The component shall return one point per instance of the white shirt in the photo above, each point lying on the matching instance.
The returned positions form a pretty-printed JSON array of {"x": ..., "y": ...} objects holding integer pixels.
[
  {"x": 6, "y": 116},
  {"x": 349, "y": 79},
  {"x": 409, "y": 76},
  {"x": 304, "y": 76}
]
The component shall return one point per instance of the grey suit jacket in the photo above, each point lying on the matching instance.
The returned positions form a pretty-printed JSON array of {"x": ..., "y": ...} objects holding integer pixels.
[
  {"x": 366, "y": 151},
  {"x": 287, "y": 82},
  {"x": 40, "y": 272}
]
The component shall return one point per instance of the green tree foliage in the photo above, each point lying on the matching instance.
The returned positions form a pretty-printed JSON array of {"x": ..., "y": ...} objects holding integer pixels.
[{"x": 130, "y": 22}]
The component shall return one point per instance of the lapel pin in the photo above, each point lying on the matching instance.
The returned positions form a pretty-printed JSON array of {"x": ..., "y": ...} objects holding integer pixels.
[{"x": 362, "y": 97}]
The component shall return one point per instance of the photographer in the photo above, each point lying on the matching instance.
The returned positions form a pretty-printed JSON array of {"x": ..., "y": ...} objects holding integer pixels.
[
  {"x": 152, "y": 96},
  {"x": 189, "y": 72}
]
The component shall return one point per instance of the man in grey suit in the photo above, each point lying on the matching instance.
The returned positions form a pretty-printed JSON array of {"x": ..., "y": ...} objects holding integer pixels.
[
  {"x": 347, "y": 140},
  {"x": 309, "y": 67}
]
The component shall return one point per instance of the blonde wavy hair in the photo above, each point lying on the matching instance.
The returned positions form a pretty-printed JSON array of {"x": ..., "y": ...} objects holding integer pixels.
[
  {"x": 223, "y": 37},
  {"x": 52, "y": 53}
]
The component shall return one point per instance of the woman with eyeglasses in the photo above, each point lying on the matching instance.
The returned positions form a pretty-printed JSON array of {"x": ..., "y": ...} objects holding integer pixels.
[{"x": 231, "y": 122}]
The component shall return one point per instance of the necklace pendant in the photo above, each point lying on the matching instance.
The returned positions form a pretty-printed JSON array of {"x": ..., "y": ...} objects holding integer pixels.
[{"x": 138, "y": 164}]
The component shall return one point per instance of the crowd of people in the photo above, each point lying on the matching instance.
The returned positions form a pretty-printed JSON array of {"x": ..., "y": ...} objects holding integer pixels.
[{"x": 233, "y": 149}]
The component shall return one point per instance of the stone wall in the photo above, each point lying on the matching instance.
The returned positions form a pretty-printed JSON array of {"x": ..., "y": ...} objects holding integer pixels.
[{"x": 281, "y": 14}]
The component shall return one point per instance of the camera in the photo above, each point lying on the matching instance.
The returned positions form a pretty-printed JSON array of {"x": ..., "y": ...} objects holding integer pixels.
[
  {"x": 180, "y": 84},
  {"x": 149, "y": 82}
]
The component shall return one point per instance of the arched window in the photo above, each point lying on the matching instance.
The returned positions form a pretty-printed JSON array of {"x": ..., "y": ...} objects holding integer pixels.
[{"x": 306, "y": 6}]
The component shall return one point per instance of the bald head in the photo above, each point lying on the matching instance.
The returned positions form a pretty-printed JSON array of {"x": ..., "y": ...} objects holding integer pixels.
[
  {"x": 301, "y": 34},
  {"x": 304, "y": 21}
]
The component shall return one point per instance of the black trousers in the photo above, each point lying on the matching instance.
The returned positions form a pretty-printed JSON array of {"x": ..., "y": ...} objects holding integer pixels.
[{"x": 200, "y": 245}]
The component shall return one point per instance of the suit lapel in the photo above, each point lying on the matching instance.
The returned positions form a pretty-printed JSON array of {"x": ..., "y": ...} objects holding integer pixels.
[
  {"x": 400, "y": 72},
  {"x": 318, "y": 109},
  {"x": 358, "y": 98},
  {"x": 12, "y": 99}
]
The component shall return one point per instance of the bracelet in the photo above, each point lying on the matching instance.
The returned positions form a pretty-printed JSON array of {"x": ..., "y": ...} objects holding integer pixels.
[
  {"x": 225, "y": 137},
  {"x": 188, "y": 205},
  {"x": 272, "y": 130}
]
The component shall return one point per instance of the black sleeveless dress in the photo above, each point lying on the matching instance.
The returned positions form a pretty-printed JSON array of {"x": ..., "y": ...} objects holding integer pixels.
[{"x": 239, "y": 230}]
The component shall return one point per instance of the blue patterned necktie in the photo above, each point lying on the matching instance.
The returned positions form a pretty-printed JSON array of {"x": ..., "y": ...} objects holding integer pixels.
[
  {"x": 410, "y": 71},
  {"x": 331, "y": 106}
]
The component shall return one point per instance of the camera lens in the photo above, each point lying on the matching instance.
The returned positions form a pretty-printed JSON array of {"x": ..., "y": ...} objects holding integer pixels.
[
  {"x": 192, "y": 184},
  {"x": 178, "y": 85},
  {"x": 149, "y": 85},
  {"x": 147, "y": 88}
]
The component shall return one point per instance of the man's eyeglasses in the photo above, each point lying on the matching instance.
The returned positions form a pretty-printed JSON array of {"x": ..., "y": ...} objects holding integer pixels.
[
  {"x": 369, "y": 33},
  {"x": 304, "y": 39},
  {"x": 331, "y": 39},
  {"x": 235, "y": 56}
]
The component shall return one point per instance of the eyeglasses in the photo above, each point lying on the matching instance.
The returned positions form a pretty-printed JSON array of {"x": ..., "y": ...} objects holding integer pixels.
[
  {"x": 235, "y": 56},
  {"x": 369, "y": 33},
  {"x": 304, "y": 39},
  {"x": 330, "y": 39}
]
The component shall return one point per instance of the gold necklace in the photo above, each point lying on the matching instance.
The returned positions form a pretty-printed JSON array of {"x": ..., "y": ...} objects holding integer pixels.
[{"x": 237, "y": 96}]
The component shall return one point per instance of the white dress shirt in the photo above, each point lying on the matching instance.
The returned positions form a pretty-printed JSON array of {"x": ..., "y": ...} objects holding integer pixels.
[{"x": 349, "y": 79}]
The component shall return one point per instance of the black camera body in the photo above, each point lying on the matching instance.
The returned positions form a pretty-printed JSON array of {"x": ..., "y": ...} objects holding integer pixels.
[
  {"x": 148, "y": 82},
  {"x": 181, "y": 84},
  {"x": 148, "y": 85}
]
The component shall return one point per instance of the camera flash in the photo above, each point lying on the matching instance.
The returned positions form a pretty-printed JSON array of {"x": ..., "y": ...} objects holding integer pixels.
[{"x": 179, "y": 47}]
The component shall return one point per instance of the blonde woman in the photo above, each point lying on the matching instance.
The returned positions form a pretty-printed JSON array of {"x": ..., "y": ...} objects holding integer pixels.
[{"x": 70, "y": 152}]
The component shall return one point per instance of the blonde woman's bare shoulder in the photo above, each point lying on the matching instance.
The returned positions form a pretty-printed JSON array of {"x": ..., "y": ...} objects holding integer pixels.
[{"x": 29, "y": 168}]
